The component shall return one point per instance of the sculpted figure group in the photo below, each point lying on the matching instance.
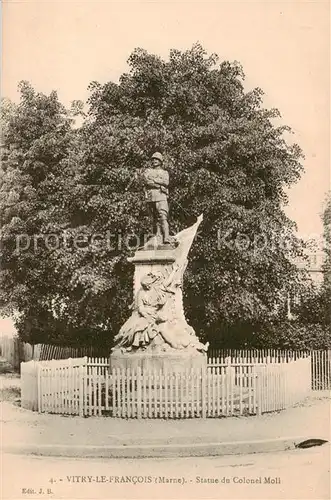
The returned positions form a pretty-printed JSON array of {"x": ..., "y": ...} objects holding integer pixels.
[{"x": 153, "y": 322}]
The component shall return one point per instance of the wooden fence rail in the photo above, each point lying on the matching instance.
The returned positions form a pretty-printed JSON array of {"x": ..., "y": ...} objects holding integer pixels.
[
  {"x": 320, "y": 361},
  {"x": 258, "y": 354}
]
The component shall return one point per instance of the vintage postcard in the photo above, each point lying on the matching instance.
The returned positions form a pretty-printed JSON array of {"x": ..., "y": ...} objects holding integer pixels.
[{"x": 165, "y": 250}]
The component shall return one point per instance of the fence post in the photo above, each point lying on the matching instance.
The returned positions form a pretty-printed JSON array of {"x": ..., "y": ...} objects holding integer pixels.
[
  {"x": 138, "y": 373},
  {"x": 203, "y": 393},
  {"x": 82, "y": 369},
  {"x": 229, "y": 385},
  {"x": 39, "y": 387},
  {"x": 308, "y": 375},
  {"x": 232, "y": 374},
  {"x": 312, "y": 369},
  {"x": 258, "y": 375}
]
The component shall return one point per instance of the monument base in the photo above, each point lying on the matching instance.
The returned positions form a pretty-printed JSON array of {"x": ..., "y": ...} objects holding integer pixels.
[{"x": 168, "y": 362}]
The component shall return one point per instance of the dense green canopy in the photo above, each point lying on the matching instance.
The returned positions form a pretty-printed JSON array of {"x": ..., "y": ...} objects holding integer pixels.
[{"x": 227, "y": 157}]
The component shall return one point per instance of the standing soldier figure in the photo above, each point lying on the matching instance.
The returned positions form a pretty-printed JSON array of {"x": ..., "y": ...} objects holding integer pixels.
[{"x": 156, "y": 182}]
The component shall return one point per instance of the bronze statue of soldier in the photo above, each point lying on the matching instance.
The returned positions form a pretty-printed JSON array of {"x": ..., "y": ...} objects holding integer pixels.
[{"x": 156, "y": 182}]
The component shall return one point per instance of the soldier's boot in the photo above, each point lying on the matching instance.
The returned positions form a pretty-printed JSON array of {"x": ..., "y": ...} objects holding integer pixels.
[
  {"x": 155, "y": 218},
  {"x": 158, "y": 233},
  {"x": 158, "y": 230},
  {"x": 165, "y": 230}
]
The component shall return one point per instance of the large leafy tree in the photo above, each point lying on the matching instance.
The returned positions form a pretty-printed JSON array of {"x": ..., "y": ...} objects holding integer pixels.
[
  {"x": 228, "y": 158},
  {"x": 60, "y": 286},
  {"x": 36, "y": 140}
]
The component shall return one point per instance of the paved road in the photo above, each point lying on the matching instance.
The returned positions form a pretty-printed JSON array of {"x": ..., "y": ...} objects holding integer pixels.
[{"x": 297, "y": 474}]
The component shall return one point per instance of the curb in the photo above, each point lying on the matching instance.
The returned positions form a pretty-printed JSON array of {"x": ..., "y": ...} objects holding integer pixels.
[{"x": 158, "y": 450}]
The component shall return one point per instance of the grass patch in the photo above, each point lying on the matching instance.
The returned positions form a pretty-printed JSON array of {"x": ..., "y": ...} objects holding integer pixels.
[
  {"x": 10, "y": 388},
  {"x": 12, "y": 394}
]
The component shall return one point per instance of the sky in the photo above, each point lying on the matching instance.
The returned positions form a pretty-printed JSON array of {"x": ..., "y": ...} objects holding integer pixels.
[{"x": 284, "y": 48}]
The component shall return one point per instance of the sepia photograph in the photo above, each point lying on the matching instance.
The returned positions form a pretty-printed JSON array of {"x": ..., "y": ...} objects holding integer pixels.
[{"x": 165, "y": 259}]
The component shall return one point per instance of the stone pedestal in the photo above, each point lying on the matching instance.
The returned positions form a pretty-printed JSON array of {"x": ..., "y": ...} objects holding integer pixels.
[
  {"x": 167, "y": 362},
  {"x": 151, "y": 261},
  {"x": 157, "y": 336}
]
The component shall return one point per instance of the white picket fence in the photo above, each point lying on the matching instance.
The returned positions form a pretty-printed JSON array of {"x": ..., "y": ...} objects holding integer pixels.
[
  {"x": 15, "y": 351},
  {"x": 321, "y": 370},
  {"x": 284, "y": 384},
  {"x": 53, "y": 386},
  {"x": 320, "y": 361},
  {"x": 87, "y": 386}
]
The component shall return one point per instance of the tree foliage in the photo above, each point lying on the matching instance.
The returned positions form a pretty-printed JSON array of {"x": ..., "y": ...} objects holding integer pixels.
[
  {"x": 37, "y": 139},
  {"x": 326, "y": 217},
  {"x": 315, "y": 308},
  {"x": 227, "y": 157}
]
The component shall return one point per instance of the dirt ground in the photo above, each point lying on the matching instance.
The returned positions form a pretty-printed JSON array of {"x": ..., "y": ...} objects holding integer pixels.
[{"x": 311, "y": 418}]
